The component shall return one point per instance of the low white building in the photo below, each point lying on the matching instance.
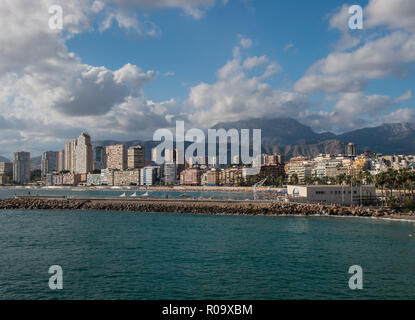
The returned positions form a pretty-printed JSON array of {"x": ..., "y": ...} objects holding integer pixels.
[{"x": 333, "y": 194}]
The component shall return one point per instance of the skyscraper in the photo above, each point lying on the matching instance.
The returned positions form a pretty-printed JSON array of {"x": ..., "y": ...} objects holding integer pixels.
[
  {"x": 68, "y": 155},
  {"x": 116, "y": 157},
  {"x": 49, "y": 162},
  {"x": 21, "y": 167},
  {"x": 99, "y": 158},
  {"x": 83, "y": 154},
  {"x": 351, "y": 150},
  {"x": 70, "y": 160},
  {"x": 136, "y": 157},
  {"x": 61, "y": 161}
]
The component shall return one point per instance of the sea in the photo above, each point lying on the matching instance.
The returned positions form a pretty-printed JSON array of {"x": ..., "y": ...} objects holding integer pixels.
[{"x": 135, "y": 255}]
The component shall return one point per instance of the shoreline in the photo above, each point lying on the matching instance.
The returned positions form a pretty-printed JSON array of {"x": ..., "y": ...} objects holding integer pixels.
[
  {"x": 179, "y": 188},
  {"x": 205, "y": 206}
]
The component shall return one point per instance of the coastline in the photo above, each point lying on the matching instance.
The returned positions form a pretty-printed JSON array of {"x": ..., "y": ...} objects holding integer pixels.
[
  {"x": 205, "y": 206},
  {"x": 147, "y": 188}
]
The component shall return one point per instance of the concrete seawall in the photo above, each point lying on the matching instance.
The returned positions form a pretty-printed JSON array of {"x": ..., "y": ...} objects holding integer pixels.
[{"x": 234, "y": 207}]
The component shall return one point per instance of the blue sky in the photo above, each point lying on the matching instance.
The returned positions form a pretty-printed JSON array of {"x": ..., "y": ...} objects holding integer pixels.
[
  {"x": 120, "y": 69},
  {"x": 195, "y": 49}
]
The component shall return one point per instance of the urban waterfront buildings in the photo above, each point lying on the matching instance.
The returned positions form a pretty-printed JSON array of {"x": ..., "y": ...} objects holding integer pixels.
[
  {"x": 83, "y": 154},
  {"x": 149, "y": 175},
  {"x": 351, "y": 150},
  {"x": 333, "y": 194},
  {"x": 99, "y": 158},
  {"x": 6, "y": 169},
  {"x": 49, "y": 162},
  {"x": 169, "y": 172},
  {"x": 6, "y": 172},
  {"x": 61, "y": 161},
  {"x": 191, "y": 176},
  {"x": 116, "y": 165},
  {"x": 116, "y": 157},
  {"x": 21, "y": 167},
  {"x": 136, "y": 157}
]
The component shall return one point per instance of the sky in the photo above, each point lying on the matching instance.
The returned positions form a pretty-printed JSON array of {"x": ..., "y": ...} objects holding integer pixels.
[{"x": 121, "y": 69}]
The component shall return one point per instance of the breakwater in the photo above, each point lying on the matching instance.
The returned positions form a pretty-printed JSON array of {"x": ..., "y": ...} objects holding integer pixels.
[{"x": 229, "y": 207}]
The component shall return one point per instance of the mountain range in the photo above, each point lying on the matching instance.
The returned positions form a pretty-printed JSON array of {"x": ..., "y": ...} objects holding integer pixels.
[{"x": 291, "y": 138}]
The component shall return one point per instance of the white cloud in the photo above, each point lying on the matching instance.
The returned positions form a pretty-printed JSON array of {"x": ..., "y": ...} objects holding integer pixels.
[
  {"x": 350, "y": 71},
  {"x": 194, "y": 8},
  {"x": 401, "y": 115},
  {"x": 288, "y": 46},
  {"x": 406, "y": 96},
  {"x": 238, "y": 95},
  {"x": 47, "y": 94},
  {"x": 244, "y": 42},
  {"x": 253, "y": 62},
  {"x": 396, "y": 14}
]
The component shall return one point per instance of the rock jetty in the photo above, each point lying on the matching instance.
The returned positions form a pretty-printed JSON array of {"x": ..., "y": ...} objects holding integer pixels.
[{"x": 217, "y": 207}]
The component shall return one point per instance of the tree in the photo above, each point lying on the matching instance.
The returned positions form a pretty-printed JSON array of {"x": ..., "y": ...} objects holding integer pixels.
[
  {"x": 294, "y": 179},
  {"x": 36, "y": 175}
]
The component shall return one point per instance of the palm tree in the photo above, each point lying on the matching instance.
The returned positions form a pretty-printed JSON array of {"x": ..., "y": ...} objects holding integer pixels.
[
  {"x": 368, "y": 177},
  {"x": 380, "y": 180},
  {"x": 411, "y": 178},
  {"x": 390, "y": 176},
  {"x": 341, "y": 178},
  {"x": 294, "y": 179}
]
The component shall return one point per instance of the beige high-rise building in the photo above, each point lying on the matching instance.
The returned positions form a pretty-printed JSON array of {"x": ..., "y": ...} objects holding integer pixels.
[
  {"x": 136, "y": 157},
  {"x": 83, "y": 154},
  {"x": 67, "y": 166},
  {"x": 70, "y": 156},
  {"x": 116, "y": 157}
]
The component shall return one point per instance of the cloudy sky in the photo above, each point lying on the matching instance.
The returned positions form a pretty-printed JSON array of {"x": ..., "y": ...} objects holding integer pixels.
[{"x": 119, "y": 69}]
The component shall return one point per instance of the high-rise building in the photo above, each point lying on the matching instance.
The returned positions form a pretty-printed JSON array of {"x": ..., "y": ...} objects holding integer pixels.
[
  {"x": 170, "y": 176},
  {"x": 6, "y": 169},
  {"x": 49, "y": 162},
  {"x": 116, "y": 157},
  {"x": 83, "y": 154},
  {"x": 99, "y": 158},
  {"x": 351, "y": 150},
  {"x": 21, "y": 167},
  {"x": 136, "y": 157},
  {"x": 149, "y": 175},
  {"x": 61, "y": 161},
  {"x": 154, "y": 155},
  {"x": 68, "y": 156}
]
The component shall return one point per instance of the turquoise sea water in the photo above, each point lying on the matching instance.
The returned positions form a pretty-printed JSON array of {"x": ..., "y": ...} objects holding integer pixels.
[
  {"x": 125, "y": 255},
  {"x": 7, "y": 193}
]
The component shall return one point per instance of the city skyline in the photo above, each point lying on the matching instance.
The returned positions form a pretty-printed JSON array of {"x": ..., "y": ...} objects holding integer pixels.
[{"x": 124, "y": 72}]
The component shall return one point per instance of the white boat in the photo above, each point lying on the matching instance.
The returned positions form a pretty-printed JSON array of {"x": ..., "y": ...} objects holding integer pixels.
[
  {"x": 123, "y": 195},
  {"x": 134, "y": 195},
  {"x": 145, "y": 194}
]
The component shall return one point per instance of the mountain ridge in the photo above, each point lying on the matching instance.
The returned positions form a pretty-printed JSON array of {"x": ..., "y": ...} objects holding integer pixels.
[{"x": 292, "y": 138}]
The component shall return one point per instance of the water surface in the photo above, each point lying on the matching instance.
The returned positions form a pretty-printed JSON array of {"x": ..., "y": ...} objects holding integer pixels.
[{"x": 124, "y": 255}]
